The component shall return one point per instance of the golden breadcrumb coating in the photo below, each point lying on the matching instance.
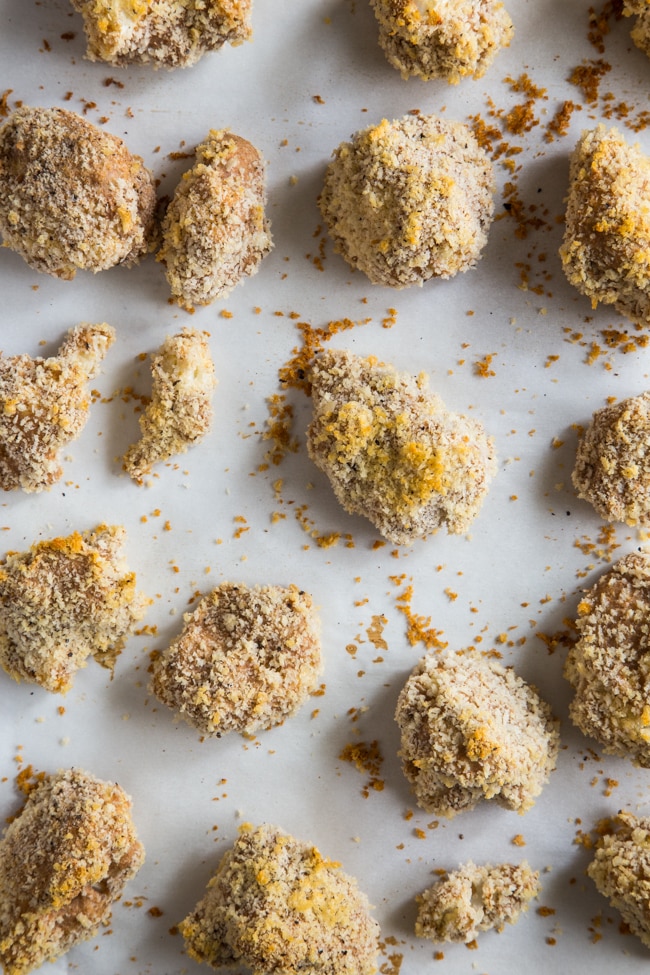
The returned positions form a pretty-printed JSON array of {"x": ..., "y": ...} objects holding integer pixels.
[
  {"x": 64, "y": 600},
  {"x": 392, "y": 451},
  {"x": 449, "y": 39},
  {"x": 471, "y": 730},
  {"x": 161, "y": 32},
  {"x": 640, "y": 33},
  {"x": 631, "y": 7},
  {"x": 72, "y": 197},
  {"x": 246, "y": 660},
  {"x": 44, "y": 406},
  {"x": 215, "y": 231},
  {"x": 64, "y": 860},
  {"x": 408, "y": 200},
  {"x": 621, "y": 869},
  {"x": 277, "y": 905},
  {"x": 180, "y": 412},
  {"x": 608, "y": 666},
  {"x": 474, "y": 899},
  {"x": 606, "y": 248}
]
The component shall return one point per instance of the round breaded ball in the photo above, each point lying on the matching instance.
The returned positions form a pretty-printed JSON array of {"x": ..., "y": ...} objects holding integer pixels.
[
  {"x": 409, "y": 200},
  {"x": 620, "y": 869}
]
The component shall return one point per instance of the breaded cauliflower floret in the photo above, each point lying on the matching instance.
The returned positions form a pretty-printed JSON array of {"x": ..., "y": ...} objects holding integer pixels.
[
  {"x": 640, "y": 33},
  {"x": 621, "y": 869}
]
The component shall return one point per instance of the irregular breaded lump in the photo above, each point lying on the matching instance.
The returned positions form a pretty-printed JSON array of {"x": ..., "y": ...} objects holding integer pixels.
[
  {"x": 609, "y": 666},
  {"x": 161, "y": 32},
  {"x": 277, "y": 905},
  {"x": 180, "y": 412},
  {"x": 472, "y": 730},
  {"x": 391, "y": 450},
  {"x": 246, "y": 660},
  {"x": 621, "y": 870},
  {"x": 44, "y": 406},
  {"x": 409, "y": 200},
  {"x": 64, "y": 600},
  {"x": 64, "y": 860},
  {"x": 474, "y": 899},
  {"x": 215, "y": 231},
  {"x": 606, "y": 248},
  {"x": 640, "y": 33},
  {"x": 72, "y": 197},
  {"x": 449, "y": 39}
]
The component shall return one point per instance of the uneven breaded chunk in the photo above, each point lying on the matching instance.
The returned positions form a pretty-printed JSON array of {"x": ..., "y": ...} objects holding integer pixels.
[
  {"x": 621, "y": 869},
  {"x": 606, "y": 248},
  {"x": 44, "y": 406},
  {"x": 640, "y": 33},
  {"x": 72, "y": 197},
  {"x": 631, "y": 7},
  {"x": 609, "y": 666},
  {"x": 408, "y": 200},
  {"x": 64, "y": 600},
  {"x": 180, "y": 412},
  {"x": 215, "y": 231},
  {"x": 277, "y": 905},
  {"x": 64, "y": 860},
  {"x": 471, "y": 730},
  {"x": 162, "y": 32},
  {"x": 474, "y": 899},
  {"x": 449, "y": 39},
  {"x": 246, "y": 660},
  {"x": 391, "y": 450}
]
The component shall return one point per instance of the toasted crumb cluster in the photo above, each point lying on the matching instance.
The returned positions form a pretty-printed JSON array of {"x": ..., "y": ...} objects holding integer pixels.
[
  {"x": 474, "y": 899},
  {"x": 64, "y": 860},
  {"x": 215, "y": 231},
  {"x": 606, "y": 248},
  {"x": 44, "y": 406},
  {"x": 247, "y": 659},
  {"x": 408, "y": 200},
  {"x": 276, "y": 904},
  {"x": 449, "y": 39},
  {"x": 608, "y": 665},
  {"x": 64, "y": 600},
  {"x": 392, "y": 451},
  {"x": 72, "y": 197},
  {"x": 180, "y": 411},
  {"x": 471, "y": 730},
  {"x": 621, "y": 870},
  {"x": 640, "y": 33},
  {"x": 161, "y": 32}
]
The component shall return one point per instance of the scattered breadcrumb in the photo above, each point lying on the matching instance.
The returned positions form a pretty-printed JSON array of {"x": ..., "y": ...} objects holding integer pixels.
[{"x": 621, "y": 869}]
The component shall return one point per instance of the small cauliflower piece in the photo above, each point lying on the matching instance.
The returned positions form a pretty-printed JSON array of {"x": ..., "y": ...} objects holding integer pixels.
[
  {"x": 621, "y": 869},
  {"x": 64, "y": 860},
  {"x": 275, "y": 904},
  {"x": 180, "y": 412}
]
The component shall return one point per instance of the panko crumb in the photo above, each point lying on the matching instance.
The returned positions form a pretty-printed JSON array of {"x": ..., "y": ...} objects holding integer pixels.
[
  {"x": 409, "y": 200},
  {"x": 180, "y": 411},
  {"x": 247, "y": 659},
  {"x": 474, "y": 899},
  {"x": 276, "y": 904},
  {"x": 449, "y": 39},
  {"x": 165, "y": 33},
  {"x": 607, "y": 667},
  {"x": 391, "y": 450},
  {"x": 72, "y": 197},
  {"x": 621, "y": 869},
  {"x": 215, "y": 231},
  {"x": 44, "y": 406},
  {"x": 606, "y": 248},
  {"x": 472, "y": 730},
  {"x": 64, "y": 861},
  {"x": 64, "y": 600}
]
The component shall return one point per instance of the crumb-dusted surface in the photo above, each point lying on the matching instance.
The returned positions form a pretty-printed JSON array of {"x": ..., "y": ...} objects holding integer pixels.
[
  {"x": 606, "y": 248},
  {"x": 64, "y": 600},
  {"x": 277, "y": 905},
  {"x": 180, "y": 411},
  {"x": 475, "y": 898},
  {"x": 64, "y": 860},
  {"x": 612, "y": 468},
  {"x": 621, "y": 869},
  {"x": 72, "y": 197},
  {"x": 247, "y": 659},
  {"x": 392, "y": 451},
  {"x": 162, "y": 32},
  {"x": 640, "y": 33},
  {"x": 215, "y": 231},
  {"x": 409, "y": 200},
  {"x": 449, "y": 39},
  {"x": 471, "y": 730},
  {"x": 608, "y": 666}
]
